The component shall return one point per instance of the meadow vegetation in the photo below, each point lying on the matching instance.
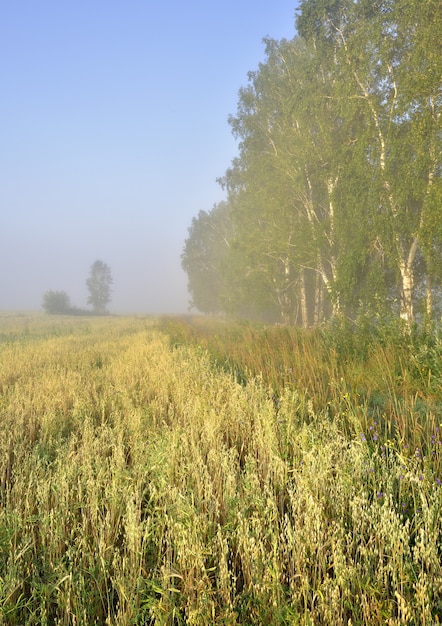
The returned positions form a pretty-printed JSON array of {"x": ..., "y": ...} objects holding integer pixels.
[{"x": 194, "y": 471}]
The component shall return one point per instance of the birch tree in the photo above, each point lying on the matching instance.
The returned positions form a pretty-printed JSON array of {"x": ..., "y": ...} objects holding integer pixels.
[
  {"x": 295, "y": 145},
  {"x": 387, "y": 55}
]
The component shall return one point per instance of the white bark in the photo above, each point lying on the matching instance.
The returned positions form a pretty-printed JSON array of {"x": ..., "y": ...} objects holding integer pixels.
[
  {"x": 407, "y": 278},
  {"x": 406, "y": 263},
  {"x": 429, "y": 298},
  {"x": 303, "y": 298},
  {"x": 314, "y": 219}
]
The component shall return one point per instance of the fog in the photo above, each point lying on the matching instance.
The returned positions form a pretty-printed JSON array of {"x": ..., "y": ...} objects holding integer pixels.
[{"x": 114, "y": 132}]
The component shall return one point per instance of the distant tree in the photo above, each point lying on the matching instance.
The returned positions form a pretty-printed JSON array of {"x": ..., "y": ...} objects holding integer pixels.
[
  {"x": 56, "y": 302},
  {"x": 99, "y": 285}
]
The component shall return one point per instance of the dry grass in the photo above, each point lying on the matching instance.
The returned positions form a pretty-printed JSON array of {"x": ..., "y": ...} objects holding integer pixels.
[{"x": 142, "y": 483}]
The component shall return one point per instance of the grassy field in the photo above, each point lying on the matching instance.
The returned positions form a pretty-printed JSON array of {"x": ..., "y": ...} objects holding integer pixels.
[{"x": 190, "y": 471}]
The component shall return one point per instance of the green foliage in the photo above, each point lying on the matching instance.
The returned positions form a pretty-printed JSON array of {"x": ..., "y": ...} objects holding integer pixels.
[
  {"x": 203, "y": 257},
  {"x": 335, "y": 194},
  {"x": 56, "y": 302}
]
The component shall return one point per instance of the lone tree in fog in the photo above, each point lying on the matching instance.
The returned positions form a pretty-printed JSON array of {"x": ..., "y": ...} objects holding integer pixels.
[{"x": 99, "y": 285}]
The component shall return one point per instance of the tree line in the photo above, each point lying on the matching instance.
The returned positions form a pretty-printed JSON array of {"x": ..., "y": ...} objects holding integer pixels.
[
  {"x": 99, "y": 286},
  {"x": 334, "y": 202}
]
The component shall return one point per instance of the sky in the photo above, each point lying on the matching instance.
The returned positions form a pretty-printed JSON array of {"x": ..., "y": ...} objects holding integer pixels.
[{"x": 113, "y": 132}]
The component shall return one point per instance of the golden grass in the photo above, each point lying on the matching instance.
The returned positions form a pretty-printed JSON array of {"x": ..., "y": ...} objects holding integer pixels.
[{"x": 141, "y": 483}]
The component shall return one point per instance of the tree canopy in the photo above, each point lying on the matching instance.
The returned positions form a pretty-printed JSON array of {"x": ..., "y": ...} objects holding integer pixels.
[{"x": 334, "y": 203}]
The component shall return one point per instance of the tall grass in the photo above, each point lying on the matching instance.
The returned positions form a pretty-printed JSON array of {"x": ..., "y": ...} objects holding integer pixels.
[
  {"x": 382, "y": 373},
  {"x": 184, "y": 474}
]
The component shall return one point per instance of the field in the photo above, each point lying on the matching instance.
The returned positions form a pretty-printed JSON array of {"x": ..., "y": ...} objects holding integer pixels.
[{"x": 191, "y": 471}]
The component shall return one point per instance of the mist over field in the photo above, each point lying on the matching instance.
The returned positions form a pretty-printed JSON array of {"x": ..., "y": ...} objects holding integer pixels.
[
  {"x": 272, "y": 163},
  {"x": 114, "y": 132}
]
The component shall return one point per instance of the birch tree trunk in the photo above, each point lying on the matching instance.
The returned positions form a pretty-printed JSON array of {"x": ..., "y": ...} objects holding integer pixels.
[{"x": 303, "y": 298}]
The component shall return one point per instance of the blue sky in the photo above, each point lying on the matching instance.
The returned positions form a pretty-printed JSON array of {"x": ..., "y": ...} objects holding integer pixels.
[{"x": 113, "y": 132}]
